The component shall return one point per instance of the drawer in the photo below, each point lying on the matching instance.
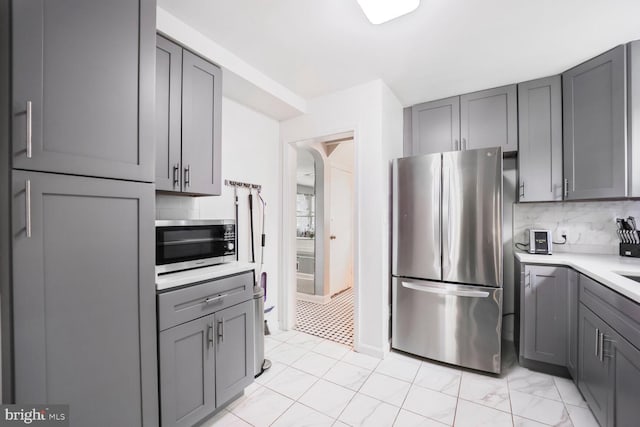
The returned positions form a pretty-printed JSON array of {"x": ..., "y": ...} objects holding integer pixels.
[
  {"x": 200, "y": 299},
  {"x": 621, "y": 313}
]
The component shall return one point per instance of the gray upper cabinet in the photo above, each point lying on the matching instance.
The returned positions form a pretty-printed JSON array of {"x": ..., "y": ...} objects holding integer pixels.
[
  {"x": 84, "y": 297},
  {"x": 544, "y": 304},
  {"x": 83, "y": 87},
  {"x": 168, "y": 114},
  {"x": 540, "y": 140},
  {"x": 187, "y": 372},
  {"x": 436, "y": 126},
  {"x": 234, "y": 350},
  {"x": 201, "y": 107},
  {"x": 488, "y": 118},
  {"x": 594, "y": 106},
  {"x": 188, "y": 121}
]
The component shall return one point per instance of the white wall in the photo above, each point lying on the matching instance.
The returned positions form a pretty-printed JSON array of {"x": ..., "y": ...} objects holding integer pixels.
[
  {"x": 375, "y": 115},
  {"x": 250, "y": 153}
]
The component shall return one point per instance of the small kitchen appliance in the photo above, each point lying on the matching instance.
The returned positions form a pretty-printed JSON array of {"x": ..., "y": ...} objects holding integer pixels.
[
  {"x": 540, "y": 242},
  {"x": 186, "y": 244}
]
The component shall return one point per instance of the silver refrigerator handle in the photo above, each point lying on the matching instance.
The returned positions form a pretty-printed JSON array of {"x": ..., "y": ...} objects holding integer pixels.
[{"x": 441, "y": 291}]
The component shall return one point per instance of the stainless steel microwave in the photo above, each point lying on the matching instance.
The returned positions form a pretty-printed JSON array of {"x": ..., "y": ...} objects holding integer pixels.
[{"x": 186, "y": 244}]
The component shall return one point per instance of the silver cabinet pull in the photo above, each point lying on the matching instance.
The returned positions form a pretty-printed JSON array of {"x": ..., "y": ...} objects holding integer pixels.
[
  {"x": 601, "y": 344},
  {"x": 597, "y": 341},
  {"x": 212, "y": 299},
  {"x": 566, "y": 187},
  {"x": 522, "y": 192},
  {"x": 210, "y": 335},
  {"x": 29, "y": 129},
  {"x": 464, "y": 144},
  {"x": 527, "y": 283},
  {"x": 27, "y": 207},
  {"x": 187, "y": 176},
  {"x": 221, "y": 330},
  {"x": 176, "y": 179},
  {"x": 456, "y": 145}
]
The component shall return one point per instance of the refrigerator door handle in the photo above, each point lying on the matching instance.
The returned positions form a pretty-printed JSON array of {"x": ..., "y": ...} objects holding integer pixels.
[{"x": 441, "y": 291}]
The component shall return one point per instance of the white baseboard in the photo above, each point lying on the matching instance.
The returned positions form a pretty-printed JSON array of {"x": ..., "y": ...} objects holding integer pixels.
[
  {"x": 316, "y": 299},
  {"x": 370, "y": 350}
]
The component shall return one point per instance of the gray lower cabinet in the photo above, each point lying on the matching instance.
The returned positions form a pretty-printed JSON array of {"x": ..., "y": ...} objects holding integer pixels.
[
  {"x": 234, "y": 350},
  {"x": 544, "y": 300},
  {"x": 206, "y": 347},
  {"x": 83, "y": 87},
  {"x": 489, "y": 118},
  {"x": 626, "y": 382},
  {"x": 436, "y": 126},
  {"x": 188, "y": 121},
  {"x": 595, "y": 125},
  {"x": 84, "y": 297},
  {"x": 187, "y": 372},
  {"x": 594, "y": 370},
  {"x": 540, "y": 140}
]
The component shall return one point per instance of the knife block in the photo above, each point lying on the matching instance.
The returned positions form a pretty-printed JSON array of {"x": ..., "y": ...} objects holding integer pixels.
[{"x": 630, "y": 250}]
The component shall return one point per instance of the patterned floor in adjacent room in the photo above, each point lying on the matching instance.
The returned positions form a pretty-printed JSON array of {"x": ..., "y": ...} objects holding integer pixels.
[{"x": 333, "y": 320}]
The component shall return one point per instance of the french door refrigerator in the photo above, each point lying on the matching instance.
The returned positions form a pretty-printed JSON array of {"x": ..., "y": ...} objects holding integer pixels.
[{"x": 447, "y": 257}]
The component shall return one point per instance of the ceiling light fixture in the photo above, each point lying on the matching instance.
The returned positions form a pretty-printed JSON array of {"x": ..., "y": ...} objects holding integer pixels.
[{"x": 379, "y": 11}]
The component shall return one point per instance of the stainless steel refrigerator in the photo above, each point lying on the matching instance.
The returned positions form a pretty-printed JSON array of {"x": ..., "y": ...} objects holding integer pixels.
[{"x": 447, "y": 257}]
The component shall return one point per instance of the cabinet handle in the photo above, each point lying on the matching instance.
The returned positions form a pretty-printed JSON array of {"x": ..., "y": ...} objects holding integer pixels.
[
  {"x": 210, "y": 335},
  {"x": 212, "y": 299},
  {"x": 187, "y": 176},
  {"x": 597, "y": 341},
  {"x": 27, "y": 207},
  {"x": 522, "y": 193},
  {"x": 601, "y": 343},
  {"x": 464, "y": 144},
  {"x": 221, "y": 330},
  {"x": 176, "y": 178},
  {"x": 456, "y": 145},
  {"x": 29, "y": 129},
  {"x": 527, "y": 283},
  {"x": 566, "y": 187}
]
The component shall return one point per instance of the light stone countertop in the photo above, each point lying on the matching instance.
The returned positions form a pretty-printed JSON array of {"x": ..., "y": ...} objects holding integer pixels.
[
  {"x": 606, "y": 269},
  {"x": 181, "y": 278}
]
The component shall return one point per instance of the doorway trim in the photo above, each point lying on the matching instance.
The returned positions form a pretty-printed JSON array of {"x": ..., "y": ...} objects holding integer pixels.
[{"x": 287, "y": 287}]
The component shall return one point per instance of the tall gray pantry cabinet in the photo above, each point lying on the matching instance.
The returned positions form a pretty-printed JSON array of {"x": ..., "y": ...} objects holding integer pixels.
[{"x": 81, "y": 291}]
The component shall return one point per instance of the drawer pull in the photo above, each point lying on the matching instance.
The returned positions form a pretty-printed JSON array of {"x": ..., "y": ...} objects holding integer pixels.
[{"x": 214, "y": 299}]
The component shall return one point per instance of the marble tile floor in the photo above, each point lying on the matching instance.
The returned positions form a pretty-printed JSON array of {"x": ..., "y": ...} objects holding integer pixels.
[{"x": 317, "y": 382}]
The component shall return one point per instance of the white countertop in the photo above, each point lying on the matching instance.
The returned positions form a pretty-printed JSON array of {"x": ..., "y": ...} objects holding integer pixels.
[
  {"x": 172, "y": 280},
  {"x": 606, "y": 269}
]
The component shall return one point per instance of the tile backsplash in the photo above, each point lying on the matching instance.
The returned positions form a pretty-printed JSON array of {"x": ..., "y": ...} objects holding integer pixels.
[
  {"x": 177, "y": 207},
  {"x": 590, "y": 226}
]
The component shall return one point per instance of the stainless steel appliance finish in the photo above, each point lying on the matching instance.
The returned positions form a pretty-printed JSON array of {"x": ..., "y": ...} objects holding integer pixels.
[
  {"x": 447, "y": 257},
  {"x": 186, "y": 244},
  {"x": 456, "y": 324},
  {"x": 417, "y": 212},
  {"x": 472, "y": 217}
]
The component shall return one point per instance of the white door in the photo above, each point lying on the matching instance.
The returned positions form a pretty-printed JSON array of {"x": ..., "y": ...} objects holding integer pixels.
[{"x": 341, "y": 230}]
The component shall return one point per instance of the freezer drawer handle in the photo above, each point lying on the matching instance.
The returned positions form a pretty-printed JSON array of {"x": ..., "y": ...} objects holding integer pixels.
[{"x": 440, "y": 291}]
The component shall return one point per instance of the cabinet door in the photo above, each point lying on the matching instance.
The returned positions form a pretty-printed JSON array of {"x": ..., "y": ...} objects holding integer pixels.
[
  {"x": 489, "y": 119},
  {"x": 594, "y": 104},
  {"x": 84, "y": 297},
  {"x": 187, "y": 372},
  {"x": 540, "y": 140},
  {"x": 436, "y": 126},
  {"x": 234, "y": 350},
  {"x": 594, "y": 374},
  {"x": 83, "y": 87},
  {"x": 168, "y": 114},
  {"x": 626, "y": 410},
  {"x": 545, "y": 314},
  {"x": 572, "y": 324},
  {"x": 201, "y": 113}
]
